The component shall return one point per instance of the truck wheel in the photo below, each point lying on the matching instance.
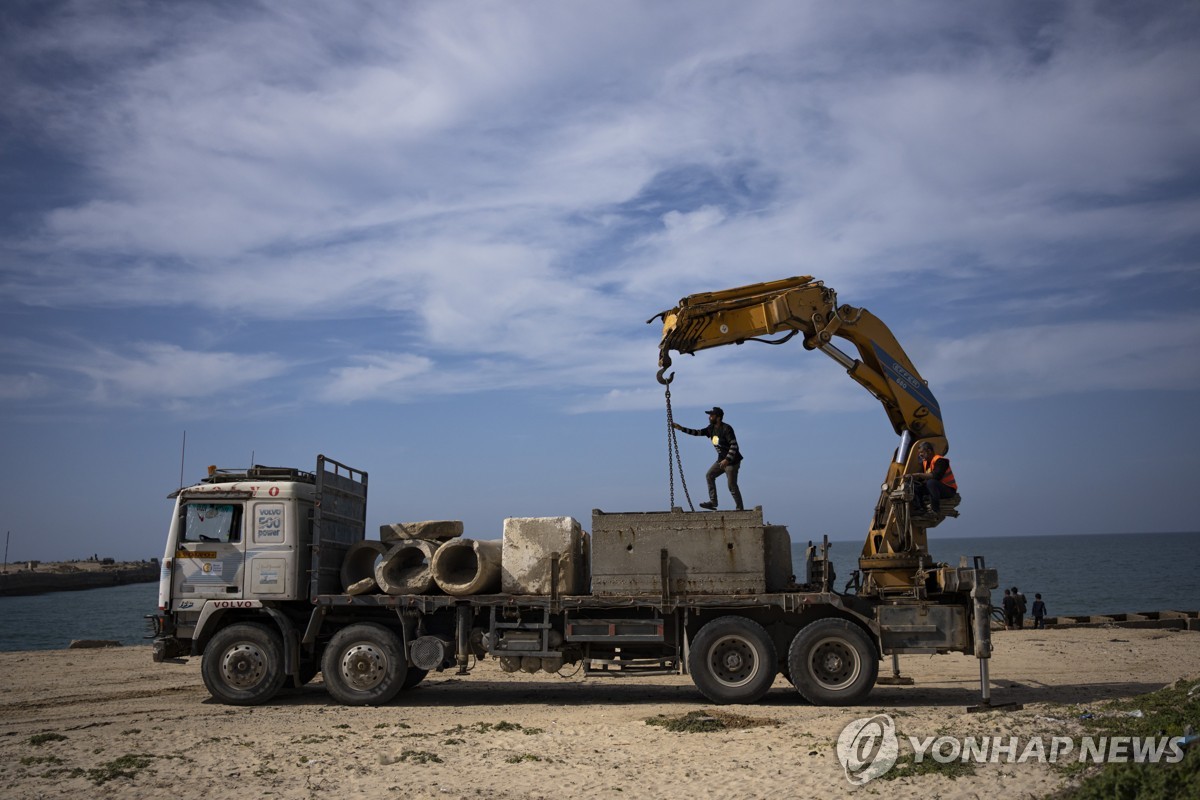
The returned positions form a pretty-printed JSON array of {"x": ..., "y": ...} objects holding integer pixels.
[
  {"x": 414, "y": 677},
  {"x": 733, "y": 660},
  {"x": 833, "y": 662},
  {"x": 243, "y": 664},
  {"x": 364, "y": 665}
]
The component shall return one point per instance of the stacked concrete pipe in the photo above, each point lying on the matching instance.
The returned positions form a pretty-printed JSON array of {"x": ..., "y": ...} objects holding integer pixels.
[
  {"x": 406, "y": 568},
  {"x": 358, "y": 568},
  {"x": 464, "y": 567}
]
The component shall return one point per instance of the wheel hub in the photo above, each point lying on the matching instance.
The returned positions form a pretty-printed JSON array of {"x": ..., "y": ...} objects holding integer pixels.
[
  {"x": 733, "y": 662},
  {"x": 834, "y": 664},
  {"x": 243, "y": 665},
  {"x": 364, "y": 666}
]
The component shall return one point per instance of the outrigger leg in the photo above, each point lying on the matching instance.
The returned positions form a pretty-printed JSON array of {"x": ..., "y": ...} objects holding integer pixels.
[
  {"x": 982, "y": 597},
  {"x": 896, "y": 679}
]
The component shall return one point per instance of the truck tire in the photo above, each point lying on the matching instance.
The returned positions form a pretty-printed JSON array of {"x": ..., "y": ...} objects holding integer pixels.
[
  {"x": 415, "y": 675},
  {"x": 364, "y": 665},
  {"x": 833, "y": 663},
  {"x": 243, "y": 664},
  {"x": 733, "y": 660}
]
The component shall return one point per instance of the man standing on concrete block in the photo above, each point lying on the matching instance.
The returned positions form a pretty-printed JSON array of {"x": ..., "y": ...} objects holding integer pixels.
[{"x": 729, "y": 457}]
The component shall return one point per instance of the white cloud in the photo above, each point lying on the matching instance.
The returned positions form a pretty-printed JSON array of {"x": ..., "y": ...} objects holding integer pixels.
[
  {"x": 24, "y": 387},
  {"x": 395, "y": 377},
  {"x": 142, "y": 373},
  {"x": 1126, "y": 355},
  {"x": 155, "y": 371},
  {"x": 488, "y": 173}
]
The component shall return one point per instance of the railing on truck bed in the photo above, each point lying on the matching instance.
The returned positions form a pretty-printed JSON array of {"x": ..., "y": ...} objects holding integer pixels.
[{"x": 339, "y": 520}]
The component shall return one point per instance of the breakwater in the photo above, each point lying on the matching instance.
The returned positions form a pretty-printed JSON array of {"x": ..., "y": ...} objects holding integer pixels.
[
  {"x": 1182, "y": 620},
  {"x": 66, "y": 578}
]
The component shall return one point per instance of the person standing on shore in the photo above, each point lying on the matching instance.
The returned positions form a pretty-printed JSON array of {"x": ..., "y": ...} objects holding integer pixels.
[
  {"x": 1009, "y": 606},
  {"x": 1039, "y": 613},
  {"x": 1019, "y": 608},
  {"x": 729, "y": 457}
]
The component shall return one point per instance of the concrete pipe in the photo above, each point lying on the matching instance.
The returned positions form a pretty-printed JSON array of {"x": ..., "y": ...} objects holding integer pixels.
[
  {"x": 466, "y": 566},
  {"x": 405, "y": 568},
  {"x": 359, "y": 563}
]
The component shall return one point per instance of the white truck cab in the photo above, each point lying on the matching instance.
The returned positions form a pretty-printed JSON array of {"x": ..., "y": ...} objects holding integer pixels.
[{"x": 238, "y": 539}]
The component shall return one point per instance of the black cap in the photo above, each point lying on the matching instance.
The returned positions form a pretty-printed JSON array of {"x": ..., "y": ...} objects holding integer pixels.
[{"x": 716, "y": 410}]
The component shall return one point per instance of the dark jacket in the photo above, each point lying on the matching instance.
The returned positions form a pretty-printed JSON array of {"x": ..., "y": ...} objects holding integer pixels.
[{"x": 723, "y": 439}]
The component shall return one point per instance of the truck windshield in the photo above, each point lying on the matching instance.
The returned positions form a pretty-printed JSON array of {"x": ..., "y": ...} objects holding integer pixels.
[{"x": 210, "y": 522}]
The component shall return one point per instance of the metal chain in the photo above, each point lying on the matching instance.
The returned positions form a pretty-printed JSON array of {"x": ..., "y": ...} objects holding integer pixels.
[{"x": 673, "y": 448}]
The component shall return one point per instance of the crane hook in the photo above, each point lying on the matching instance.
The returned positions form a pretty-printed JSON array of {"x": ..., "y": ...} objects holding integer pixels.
[{"x": 664, "y": 363}]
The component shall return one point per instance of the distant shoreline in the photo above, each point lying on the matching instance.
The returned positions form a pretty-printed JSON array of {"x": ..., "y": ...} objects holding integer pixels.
[{"x": 37, "y": 578}]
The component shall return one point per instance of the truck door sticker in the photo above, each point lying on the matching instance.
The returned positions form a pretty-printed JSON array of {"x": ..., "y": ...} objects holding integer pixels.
[{"x": 268, "y": 523}]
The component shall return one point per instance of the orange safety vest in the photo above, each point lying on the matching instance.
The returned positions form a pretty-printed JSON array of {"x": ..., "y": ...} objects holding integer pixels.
[{"x": 948, "y": 478}]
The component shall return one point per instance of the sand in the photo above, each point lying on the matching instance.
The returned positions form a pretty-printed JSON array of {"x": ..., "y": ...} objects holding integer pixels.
[{"x": 117, "y": 711}]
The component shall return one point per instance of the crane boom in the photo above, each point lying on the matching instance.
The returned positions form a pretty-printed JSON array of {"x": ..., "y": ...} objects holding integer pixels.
[{"x": 807, "y": 307}]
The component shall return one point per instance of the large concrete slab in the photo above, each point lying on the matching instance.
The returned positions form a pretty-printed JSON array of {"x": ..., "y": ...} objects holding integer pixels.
[
  {"x": 438, "y": 530},
  {"x": 778, "y": 553},
  {"x": 530, "y": 542},
  {"x": 719, "y": 552}
]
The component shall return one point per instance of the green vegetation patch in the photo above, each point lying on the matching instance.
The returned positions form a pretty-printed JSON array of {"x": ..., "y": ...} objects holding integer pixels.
[
  {"x": 39, "y": 739},
  {"x": 708, "y": 721},
  {"x": 127, "y": 766},
  {"x": 29, "y": 761},
  {"x": 522, "y": 757},
  {"x": 1170, "y": 712},
  {"x": 487, "y": 727},
  {"x": 907, "y": 766},
  {"x": 420, "y": 757}
]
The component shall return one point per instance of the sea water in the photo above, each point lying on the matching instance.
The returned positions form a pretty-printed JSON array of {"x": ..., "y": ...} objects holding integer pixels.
[
  {"x": 1075, "y": 575},
  {"x": 50, "y": 621}
]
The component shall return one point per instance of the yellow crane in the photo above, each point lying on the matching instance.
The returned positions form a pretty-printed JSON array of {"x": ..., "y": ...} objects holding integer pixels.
[{"x": 895, "y": 556}]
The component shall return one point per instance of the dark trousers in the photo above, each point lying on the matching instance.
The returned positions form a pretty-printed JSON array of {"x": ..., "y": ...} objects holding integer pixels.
[
  {"x": 936, "y": 491},
  {"x": 731, "y": 473}
]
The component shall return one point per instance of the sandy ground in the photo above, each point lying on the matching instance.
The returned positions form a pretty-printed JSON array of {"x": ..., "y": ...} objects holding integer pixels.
[{"x": 108, "y": 709}]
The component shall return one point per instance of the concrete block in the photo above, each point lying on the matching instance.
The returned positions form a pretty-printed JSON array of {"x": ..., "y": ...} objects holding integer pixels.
[
  {"x": 529, "y": 543},
  {"x": 778, "y": 555},
  {"x": 708, "y": 553}
]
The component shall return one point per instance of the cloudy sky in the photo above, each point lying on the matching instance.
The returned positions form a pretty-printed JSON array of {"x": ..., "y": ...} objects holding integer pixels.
[{"x": 423, "y": 238}]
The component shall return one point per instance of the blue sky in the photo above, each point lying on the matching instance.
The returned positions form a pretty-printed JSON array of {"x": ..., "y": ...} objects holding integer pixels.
[{"x": 424, "y": 238}]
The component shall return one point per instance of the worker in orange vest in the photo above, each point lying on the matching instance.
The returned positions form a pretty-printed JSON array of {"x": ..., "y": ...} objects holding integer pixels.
[{"x": 937, "y": 482}]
